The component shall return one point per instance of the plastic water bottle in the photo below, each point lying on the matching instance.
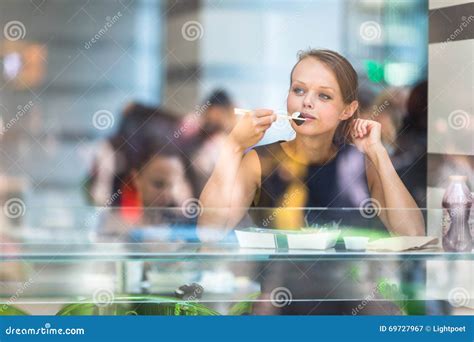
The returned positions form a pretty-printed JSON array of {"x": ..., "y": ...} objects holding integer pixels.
[{"x": 457, "y": 203}]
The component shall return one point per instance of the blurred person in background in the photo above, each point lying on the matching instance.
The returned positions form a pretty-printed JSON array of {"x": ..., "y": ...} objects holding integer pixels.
[
  {"x": 387, "y": 110},
  {"x": 219, "y": 116},
  {"x": 403, "y": 119},
  {"x": 109, "y": 166},
  {"x": 215, "y": 119},
  {"x": 110, "y": 182},
  {"x": 157, "y": 172},
  {"x": 160, "y": 172},
  {"x": 366, "y": 97},
  {"x": 415, "y": 123},
  {"x": 411, "y": 157}
]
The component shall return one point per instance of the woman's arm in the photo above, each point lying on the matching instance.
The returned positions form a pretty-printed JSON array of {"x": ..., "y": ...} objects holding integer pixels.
[
  {"x": 402, "y": 217},
  {"x": 232, "y": 185}
]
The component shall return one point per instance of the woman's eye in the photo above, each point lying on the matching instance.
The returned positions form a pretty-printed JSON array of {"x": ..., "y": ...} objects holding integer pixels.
[
  {"x": 298, "y": 91},
  {"x": 159, "y": 184},
  {"x": 324, "y": 96}
]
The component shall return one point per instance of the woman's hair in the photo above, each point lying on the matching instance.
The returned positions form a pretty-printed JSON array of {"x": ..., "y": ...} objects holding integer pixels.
[
  {"x": 347, "y": 80},
  {"x": 141, "y": 125},
  {"x": 219, "y": 97},
  {"x": 154, "y": 138},
  {"x": 417, "y": 107}
]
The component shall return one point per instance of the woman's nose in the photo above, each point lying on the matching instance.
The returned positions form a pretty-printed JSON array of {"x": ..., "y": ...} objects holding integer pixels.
[{"x": 308, "y": 101}]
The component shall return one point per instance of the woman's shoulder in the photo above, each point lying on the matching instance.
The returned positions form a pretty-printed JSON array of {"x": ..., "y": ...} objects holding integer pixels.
[
  {"x": 267, "y": 149},
  {"x": 259, "y": 160}
]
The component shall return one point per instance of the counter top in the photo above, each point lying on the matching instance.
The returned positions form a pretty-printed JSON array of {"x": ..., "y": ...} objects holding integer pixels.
[{"x": 197, "y": 251}]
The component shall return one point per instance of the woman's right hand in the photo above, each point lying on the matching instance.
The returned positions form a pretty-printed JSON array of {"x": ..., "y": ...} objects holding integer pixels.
[{"x": 251, "y": 127}]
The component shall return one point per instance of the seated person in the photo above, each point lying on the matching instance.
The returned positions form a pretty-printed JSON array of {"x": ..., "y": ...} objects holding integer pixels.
[
  {"x": 161, "y": 177},
  {"x": 158, "y": 174},
  {"x": 312, "y": 171},
  {"x": 109, "y": 183},
  {"x": 214, "y": 124}
]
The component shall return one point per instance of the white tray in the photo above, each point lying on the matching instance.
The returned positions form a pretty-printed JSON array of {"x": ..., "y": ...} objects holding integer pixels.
[{"x": 271, "y": 238}]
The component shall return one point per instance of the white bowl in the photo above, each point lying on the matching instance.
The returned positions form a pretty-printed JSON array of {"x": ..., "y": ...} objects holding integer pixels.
[
  {"x": 323, "y": 240},
  {"x": 356, "y": 243}
]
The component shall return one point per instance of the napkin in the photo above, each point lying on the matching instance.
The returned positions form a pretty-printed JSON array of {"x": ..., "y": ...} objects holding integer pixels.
[{"x": 402, "y": 243}]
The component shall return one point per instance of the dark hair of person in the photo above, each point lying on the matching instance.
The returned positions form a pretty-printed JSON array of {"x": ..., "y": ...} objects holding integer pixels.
[
  {"x": 219, "y": 97},
  {"x": 140, "y": 123},
  {"x": 417, "y": 107}
]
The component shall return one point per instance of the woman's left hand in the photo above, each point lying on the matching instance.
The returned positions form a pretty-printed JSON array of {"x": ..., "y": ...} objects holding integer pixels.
[{"x": 366, "y": 135}]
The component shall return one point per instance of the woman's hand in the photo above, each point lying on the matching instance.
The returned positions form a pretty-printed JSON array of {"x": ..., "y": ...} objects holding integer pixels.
[
  {"x": 366, "y": 136},
  {"x": 251, "y": 127}
]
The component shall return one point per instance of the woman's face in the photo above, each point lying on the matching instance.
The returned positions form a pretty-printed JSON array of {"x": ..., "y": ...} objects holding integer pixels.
[
  {"x": 162, "y": 182},
  {"x": 315, "y": 93}
]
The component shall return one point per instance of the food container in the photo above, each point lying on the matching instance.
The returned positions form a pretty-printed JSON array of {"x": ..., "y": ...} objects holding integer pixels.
[
  {"x": 356, "y": 243},
  {"x": 297, "y": 239}
]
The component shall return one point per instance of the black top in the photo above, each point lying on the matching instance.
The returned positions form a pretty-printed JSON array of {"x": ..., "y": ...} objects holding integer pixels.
[{"x": 339, "y": 183}]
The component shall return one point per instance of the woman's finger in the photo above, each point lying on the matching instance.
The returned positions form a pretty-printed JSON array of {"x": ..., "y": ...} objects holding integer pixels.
[
  {"x": 265, "y": 120},
  {"x": 262, "y": 128},
  {"x": 359, "y": 128},
  {"x": 364, "y": 127},
  {"x": 262, "y": 112}
]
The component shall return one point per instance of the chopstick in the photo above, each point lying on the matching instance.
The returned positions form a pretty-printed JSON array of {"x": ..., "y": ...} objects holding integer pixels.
[{"x": 241, "y": 111}]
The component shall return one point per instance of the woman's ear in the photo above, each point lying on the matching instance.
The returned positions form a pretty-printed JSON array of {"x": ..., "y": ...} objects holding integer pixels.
[{"x": 349, "y": 110}]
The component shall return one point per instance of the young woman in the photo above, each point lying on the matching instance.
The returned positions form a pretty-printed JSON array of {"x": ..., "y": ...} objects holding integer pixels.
[
  {"x": 152, "y": 172},
  {"x": 324, "y": 90},
  {"x": 336, "y": 160}
]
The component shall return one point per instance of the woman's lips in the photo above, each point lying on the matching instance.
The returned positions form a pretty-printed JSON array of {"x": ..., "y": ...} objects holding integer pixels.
[{"x": 307, "y": 116}]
